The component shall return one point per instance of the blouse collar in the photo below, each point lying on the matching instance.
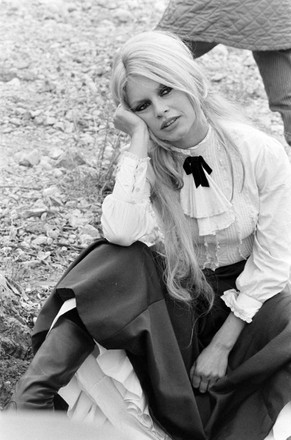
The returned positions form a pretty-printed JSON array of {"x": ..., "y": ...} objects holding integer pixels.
[{"x": 196, "y": 149}]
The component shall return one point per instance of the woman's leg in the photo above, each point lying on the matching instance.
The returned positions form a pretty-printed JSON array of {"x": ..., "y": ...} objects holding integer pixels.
[
  {"x": 64, "y": 350},
  {"x": 120, "y": 298},
  {"x": 258, "y": 383},
  {"x": 275, "y": 70}
]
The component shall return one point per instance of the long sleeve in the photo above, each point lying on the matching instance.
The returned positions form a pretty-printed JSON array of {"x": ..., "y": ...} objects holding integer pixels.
[
  {"x": 127, "y": 213},
  {"x": 267, "y": 270}
]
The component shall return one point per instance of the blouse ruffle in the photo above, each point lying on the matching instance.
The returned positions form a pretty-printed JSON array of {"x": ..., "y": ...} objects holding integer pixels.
[{"x": 208, "y": 205}]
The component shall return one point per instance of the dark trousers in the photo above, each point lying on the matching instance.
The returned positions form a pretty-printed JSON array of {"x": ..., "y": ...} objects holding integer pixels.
[{"x": 275, "y": 69}]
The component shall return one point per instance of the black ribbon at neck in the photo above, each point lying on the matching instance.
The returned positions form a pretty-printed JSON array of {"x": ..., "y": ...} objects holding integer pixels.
[{"x": 196, "y": 166}]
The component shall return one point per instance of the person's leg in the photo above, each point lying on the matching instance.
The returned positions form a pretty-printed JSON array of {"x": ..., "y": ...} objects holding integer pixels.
[
  {"x": 64, "y": 350},
  {"x": 121, "y": 298},
  {"x": 257, "y": 385},
  {"x": 199, "y": 48},
  {"x": 275, "y": 70}
]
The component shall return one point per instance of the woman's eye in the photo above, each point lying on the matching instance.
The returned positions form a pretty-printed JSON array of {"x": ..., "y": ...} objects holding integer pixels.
[
  {"x": 165, "y": 90},
  {"x": 141, "y": 107}
]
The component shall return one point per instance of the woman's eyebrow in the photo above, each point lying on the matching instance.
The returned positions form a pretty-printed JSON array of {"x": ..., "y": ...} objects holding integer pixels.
[{"x": 140, "y": 101}]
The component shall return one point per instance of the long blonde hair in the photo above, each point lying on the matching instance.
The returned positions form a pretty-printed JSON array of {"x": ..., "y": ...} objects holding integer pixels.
[{"x": 164, "y": 58}]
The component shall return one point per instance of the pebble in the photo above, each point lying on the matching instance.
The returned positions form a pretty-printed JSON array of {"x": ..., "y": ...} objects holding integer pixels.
[
  {"x": 50, "y": 121},
  {"x": 7, "y": 130},
  {"x": 15, "y": 82},
  {"x": 41, "y": 239},
  {"x": 90, "y": 230},
  {"x": 70, "y": 160},
  {"x": 122, "y": 15},
  {"x": 85, "y": 240},
  {"x": 55, "y": 152},
  {"x": 30, "y": 159},
  {"x": 45, "y": 163},
  {"x": 57, "y": 173},
  {"x": 51, "y": 191}
]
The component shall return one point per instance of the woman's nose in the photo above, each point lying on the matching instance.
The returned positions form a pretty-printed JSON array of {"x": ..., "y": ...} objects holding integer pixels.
[{"x": 160, "y": 108}]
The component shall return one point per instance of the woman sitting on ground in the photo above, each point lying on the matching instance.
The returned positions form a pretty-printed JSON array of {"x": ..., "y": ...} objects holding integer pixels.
[{"x": 192, "y": 280}]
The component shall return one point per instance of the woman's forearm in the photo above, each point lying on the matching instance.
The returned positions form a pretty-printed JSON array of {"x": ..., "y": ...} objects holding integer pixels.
[
  {"x": 139, "y": 143},
  {"x": 227, "y": 335},
  {"x": 212, "y": 362}
]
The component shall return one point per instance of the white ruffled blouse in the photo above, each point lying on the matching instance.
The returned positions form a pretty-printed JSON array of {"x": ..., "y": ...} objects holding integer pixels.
[{"x": 250, "y": 220}]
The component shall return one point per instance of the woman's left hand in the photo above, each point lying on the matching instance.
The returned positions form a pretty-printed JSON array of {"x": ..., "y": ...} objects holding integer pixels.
[
  {"x": 212, "y": 362},
  {"x": 210, "y": 366}
]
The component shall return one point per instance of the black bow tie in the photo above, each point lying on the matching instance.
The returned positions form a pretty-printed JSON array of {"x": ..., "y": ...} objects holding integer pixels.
[{"x": 196, "y": 165}]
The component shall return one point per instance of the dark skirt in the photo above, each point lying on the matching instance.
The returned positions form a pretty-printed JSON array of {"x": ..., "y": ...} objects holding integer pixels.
[{"x": 122, "y": 300}]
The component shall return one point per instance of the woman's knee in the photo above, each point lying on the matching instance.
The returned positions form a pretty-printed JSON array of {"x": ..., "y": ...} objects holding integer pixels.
[{"x": 274, "y": 316}]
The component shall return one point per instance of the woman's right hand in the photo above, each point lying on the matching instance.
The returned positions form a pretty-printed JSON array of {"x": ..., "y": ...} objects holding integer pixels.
[{"x": 128, "y": 122}]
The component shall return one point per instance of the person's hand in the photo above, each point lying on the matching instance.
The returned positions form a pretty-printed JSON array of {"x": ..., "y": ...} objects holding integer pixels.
[
  {"x": 212, "y": 362},
  {"x": 210, "y": 366},
  {"x": 128, "y": 122}
]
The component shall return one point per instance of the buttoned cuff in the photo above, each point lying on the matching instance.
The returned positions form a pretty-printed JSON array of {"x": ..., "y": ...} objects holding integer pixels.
[{"x": 243, "y": 306}]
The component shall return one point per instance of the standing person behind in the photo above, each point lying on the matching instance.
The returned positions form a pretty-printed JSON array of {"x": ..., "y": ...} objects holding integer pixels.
[
  {"x": 193, "y": 281},
  {"x": 262, "y": 26}
]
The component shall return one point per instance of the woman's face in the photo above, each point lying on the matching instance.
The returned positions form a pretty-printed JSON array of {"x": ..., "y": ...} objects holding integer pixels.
[{"x": 167, "y": 112}]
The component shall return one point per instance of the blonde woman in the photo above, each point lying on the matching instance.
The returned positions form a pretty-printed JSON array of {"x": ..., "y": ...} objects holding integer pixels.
[{"x": 193, "y": 279}]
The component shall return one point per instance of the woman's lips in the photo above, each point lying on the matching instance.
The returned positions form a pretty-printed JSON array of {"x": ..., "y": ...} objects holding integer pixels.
[{"x": 169, "y": 122}]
